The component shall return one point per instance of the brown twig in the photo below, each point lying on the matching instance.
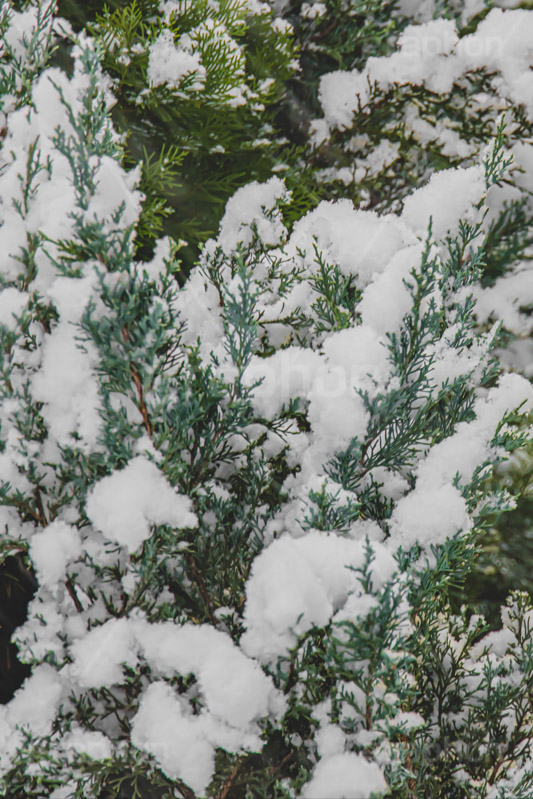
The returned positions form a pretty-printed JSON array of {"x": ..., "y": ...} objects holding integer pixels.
[
  {"x": 185, "y": 790},
  {"x": 142, "y": 405},
  {"x": 41, "y": 516},
  {"x": 69, "y": 585},
  {"x": 273, "y": 769},
  {"x": 199, "y": 580},
  {"x": 139, "y": 386},
  {"x": 325, "y": 32},
  {"x": 409, "y": 763},
  {"x": 292, "y": 677},
  {"x": 227, "y": 785},
  {"x": 368, "y": 714}
]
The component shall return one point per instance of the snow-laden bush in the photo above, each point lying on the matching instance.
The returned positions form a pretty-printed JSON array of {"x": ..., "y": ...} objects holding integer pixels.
[{"x": 248, "y": 502}]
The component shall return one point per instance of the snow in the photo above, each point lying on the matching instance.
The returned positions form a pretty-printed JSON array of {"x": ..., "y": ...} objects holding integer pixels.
[
  {"x": 387, "y": 300},
  {"x": 253, "y": 206},
  {"x": 11, "y": 461},
  {"x": 318, "y": 132},
  {"x": 360, "y": 242},
  {"x": 174, "y": 738},
  {"x": 99, "y": 655},
  {"x": 313, "y": 10},
  {"x": 450, "y": 196},
  {"x": 12, "y": 304},
  {"x": 435, "y": 509},
  {"x": 287, "y": 374},
  {"x": 35, "y": 704},
  {"x": 51, "y": 550},
  {"x": 470, "y": 446},
  {"x": 343, "y": 93},
  {"x": 522, "y": 153},
  {"x": 12, "y": 240},
  {"x": 421, "y": 58},
  {"x": 21, "y": 27},
  {"x": 361, "y": 352},
  {"x": 448, "y": 140},
  {"x": 429, "y": 516},
  {"x": 113, "y": 193},
  {"x": 503, "y": 42},
  {"x": 42, "y": 634},
  {"x": 340, "y": 94},
  {"x": 336, "y": 412},
  {"x": 330, "y": 740},
  {"x": 345, "y": 776},
  {"x": 296, "y": 584},
  {"x": 382, "y": 156},
  {"x": 125, "y": 504},
  {"x": 234, "y": 687},
  {"x": 68, "y": 387},
  {"x": 408, "y": 720},
  {"x": 235, "y": 690},
  {"x": 507, "y": 300},
  {"x": 71, "y": 296},
  {"x": 90, "y": 743},
  {"x": 518, "y": 356},
  {"x": 199, "y": 304},
  {"x": 51, "y": 108},
  {"x": 155, "y": 268},
  {"x": 170, "y": 63}
]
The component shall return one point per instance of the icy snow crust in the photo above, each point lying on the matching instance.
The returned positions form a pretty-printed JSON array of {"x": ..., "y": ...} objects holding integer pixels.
[{"x": 303, "y": 578}]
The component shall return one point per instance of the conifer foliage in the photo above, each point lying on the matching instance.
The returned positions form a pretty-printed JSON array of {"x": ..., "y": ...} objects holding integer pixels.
[
  {"x": 251, "y": 496},
  {"x": 196, "y": 85}
]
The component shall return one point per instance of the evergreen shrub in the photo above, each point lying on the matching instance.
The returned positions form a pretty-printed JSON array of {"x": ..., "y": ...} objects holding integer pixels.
[{"x": 252, "y": 496}]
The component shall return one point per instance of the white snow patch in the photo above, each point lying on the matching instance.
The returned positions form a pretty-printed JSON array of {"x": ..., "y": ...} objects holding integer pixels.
[
  {"x": 296, "y": 584},
  {"x": 174, "y": 737},
  {"x": 51, "y": 550},
  {"x": 12, "y": 304},
  {"x": 253, "y": 205},
  {"x": 124, "y": 505},
  {"x": 450, "y": 196},
  {"x": 345, "y": 776},
  {"x": 169, "y": 63},
  {"x": 35, "y": 704},
  {"x": 361, "y": 243},
  {"x": 99, "y": 655},
  {"x": 429, "y": 516}
]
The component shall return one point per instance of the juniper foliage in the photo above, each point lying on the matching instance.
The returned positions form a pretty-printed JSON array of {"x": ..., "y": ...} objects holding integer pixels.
[{"x": 251, "y": 500}]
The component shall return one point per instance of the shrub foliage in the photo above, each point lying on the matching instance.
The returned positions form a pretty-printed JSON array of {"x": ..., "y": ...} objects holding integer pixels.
[{"x": 250, "y": 495}]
